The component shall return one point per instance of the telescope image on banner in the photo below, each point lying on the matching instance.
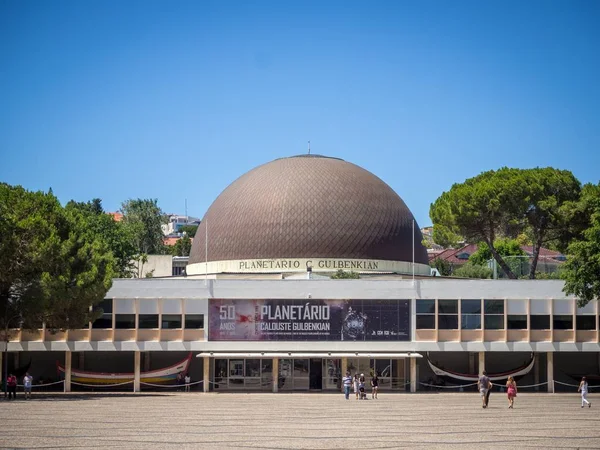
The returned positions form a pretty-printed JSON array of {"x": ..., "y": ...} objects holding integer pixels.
[{"x": 309, "y": 320}]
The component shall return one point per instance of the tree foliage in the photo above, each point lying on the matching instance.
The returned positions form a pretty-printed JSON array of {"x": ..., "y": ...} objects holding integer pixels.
[
  {"x": 53, "y": 267},
  {"x": 471, "y": 270},
  {"x": 504, "y": 246},
  {"x": 506, "y": 203},
  {"x": 190, "y": 230},
  {"x": 182, "y": 247},
  {"x": 443, "y": 266},
  {"x": 582, "y": 269},
  {"x": 343, "y": 275}
]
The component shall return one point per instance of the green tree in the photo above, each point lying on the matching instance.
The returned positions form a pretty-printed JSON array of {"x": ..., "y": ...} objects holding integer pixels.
[
  {"x": 114, "y": 233},
  {"x": 53, "y": 267},
  {"x": 343, "y": 275},
  {"x": 582, "y": 269},
  {"x": 506, "y": 203},
  {"x": 443, "y": 266},
  {"x": 190, "y": 230},
  {"x": 182, "y": 247},
  {"x": 142, "y": 219},
  {"x": 471, "y": 270}
]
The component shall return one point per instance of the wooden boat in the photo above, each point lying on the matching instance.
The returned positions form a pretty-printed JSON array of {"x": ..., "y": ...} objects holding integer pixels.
[
  {"x": 473, "y": 378},
  {"x": 168, "y": 375}
]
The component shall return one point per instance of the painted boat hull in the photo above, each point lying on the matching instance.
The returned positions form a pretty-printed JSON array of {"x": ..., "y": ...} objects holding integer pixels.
[
  {"x": 159, "y": 376},
  {"x": 473, "y": 378}
]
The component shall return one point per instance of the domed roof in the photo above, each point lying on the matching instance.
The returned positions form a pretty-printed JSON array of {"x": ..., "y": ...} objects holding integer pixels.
[{"x": 308, "y": 206}]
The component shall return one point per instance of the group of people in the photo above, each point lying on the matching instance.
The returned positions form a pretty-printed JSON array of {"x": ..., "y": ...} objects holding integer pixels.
[
  {"x": 359, "y": 383},
  {"x": 485, "y": 387},
  {"x": 11, "y": 386},
  {"x": 183, "y": 381}
]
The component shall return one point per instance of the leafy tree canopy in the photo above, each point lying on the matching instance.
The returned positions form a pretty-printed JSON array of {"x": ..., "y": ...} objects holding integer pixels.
[
  {"x": 504, "y": 246},
  {"x": 182, "y": 247},
  {"x": 582, "y": 269},
  {"x": 506, "y": 203},
  {"x": 471, "y": 270},
  {"x": 190, "y": 230},
  {"x": 53, "y": 267},
  {"x": 343, "y": 275}
]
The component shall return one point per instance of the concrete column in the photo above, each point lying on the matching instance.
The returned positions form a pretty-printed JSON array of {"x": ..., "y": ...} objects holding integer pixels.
[
  {"x": 471, "y": 362},
  {"x": 413, "y": 375},
  {"x": 550, "y": 371},
  {"x": 481, "y": 362},
  {"x": 137, "y": 364},
  {"x": 536, "y": 370},
  {"x": 344, "y": 368},
  {"x": 275, "y": 374},
  {"x": 206, "y": 370},
  {"x": 67, "y": 385}
]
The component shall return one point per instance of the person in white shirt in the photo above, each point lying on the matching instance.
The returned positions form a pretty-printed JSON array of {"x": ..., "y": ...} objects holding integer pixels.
[
  {"x": 347, "y": 381},
  {"x": 27, "y": 381},
  {"x": 187, "y": 380},
  {"x": 583, "y": 388}
]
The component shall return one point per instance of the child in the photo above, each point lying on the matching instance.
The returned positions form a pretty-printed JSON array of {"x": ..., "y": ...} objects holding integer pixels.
[
  {"x": 511, "y": 390},
  {"x": 583, "y": 388},
  {"x": 361, "y": 386}
]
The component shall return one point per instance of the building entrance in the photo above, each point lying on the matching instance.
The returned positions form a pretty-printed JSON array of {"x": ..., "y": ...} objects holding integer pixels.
[{"x": 316, "y": 374}]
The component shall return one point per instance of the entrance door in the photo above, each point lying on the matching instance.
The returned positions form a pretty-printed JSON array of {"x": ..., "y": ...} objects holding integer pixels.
[{"x": 316, "y": 374}]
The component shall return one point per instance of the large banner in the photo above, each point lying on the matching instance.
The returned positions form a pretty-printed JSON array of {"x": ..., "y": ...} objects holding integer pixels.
[{"x": 309, "y": 320}]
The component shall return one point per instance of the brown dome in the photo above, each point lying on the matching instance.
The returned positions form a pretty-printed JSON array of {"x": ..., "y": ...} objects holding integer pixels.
[{"x": 308, "y": 206}]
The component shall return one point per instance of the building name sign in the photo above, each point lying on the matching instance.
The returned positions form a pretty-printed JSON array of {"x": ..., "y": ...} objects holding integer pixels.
[
  {"x": 326, "y": 264},
  {"x": 278, "y": 265}
]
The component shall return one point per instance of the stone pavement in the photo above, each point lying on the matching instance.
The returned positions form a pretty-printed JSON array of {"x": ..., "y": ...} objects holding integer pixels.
[{"x": 298, "y": 421}]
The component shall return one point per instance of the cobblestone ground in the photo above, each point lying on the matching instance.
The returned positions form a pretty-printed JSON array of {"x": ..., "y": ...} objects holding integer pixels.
[{"x": 298, "y": 421}]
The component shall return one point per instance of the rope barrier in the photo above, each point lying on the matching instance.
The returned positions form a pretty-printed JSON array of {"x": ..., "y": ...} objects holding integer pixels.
[
  {"x": 42, "y": 385},
  {"x": 171, "y": 385},
  {"x": 102, "y": 385},
  {"x": 447, "y": 387}
]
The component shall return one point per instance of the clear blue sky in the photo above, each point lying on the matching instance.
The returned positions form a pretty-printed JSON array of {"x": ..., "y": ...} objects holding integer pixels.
[{"x": 175, "y": 100}]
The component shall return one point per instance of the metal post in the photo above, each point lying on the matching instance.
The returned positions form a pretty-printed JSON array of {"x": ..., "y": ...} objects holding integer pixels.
[{"x": 275, "y": 374}]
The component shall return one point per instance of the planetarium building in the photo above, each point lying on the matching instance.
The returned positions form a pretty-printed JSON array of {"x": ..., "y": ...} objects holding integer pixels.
[{"x": 258, "y": 311}]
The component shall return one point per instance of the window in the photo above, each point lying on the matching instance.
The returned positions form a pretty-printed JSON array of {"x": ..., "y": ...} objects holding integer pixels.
[
  {"x": 517, "y": 322},
  {"x": 493, "y": 314},
  {"x": 448, "y": 314},
  {"x": 540, "y": 322},
  {"x": 470, "y": 314},
  {"x": 426, "y": 322},
  {"x": 426, "y": 314},
  {"x": 560, "y": 322},
  {"x": 170, "y": 321},
  {"x": 147, "y": 321},
  {"x": 105, "y": 320},
  {"x": 586, "y": 322},
  {"x": 194, "y": 321},
  {"x": 124, "y": 321}
]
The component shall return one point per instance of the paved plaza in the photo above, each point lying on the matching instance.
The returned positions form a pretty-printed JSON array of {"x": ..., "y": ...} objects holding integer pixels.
[{"x": 298, "y": 421}]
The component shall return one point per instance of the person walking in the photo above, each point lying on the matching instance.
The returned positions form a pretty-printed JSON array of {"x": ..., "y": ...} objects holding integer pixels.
[
  {"x": 485, "y": 385},
  {"x": 361, "y": 386},
  {"x": 347, "y": 381},
  {"x": 583, "y": 388},
  {"x": 27, "y": 381},
  {"x": 374, "y": 385},
  {"x": 356, "y": 385},
  {"x": 511, "y": 391},
  {"x": 11, "y": 382},
  {"x": 187, "y": 380}
]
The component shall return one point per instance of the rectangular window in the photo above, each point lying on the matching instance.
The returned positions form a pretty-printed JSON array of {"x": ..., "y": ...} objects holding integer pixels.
[
  {"x": 148, "y": 321},
  {"x": 124, "y": 321},
  {"x": 494, "y": 306},
  {"x": 426, "y": 314},
  {"x": 448, "y": 306},
  {"x": 470, "y": 306},
  {"x": 425, "y": 306},
  {"x": 448, "y": 322},
  {"x": 425, "y": 321},
  {"x": 517, "y": 322},
  {"x": 170, "y": 321},
  {"x": 540, "y": 322},
  {"x": 195, "y": 321},
  {"x": 562, "y": 322},
  {"x": 471, "y": 321},
  {"x": 105, "y": 308},
  {"x": 494, "y": 322},
  {"x": 586, "y": 322}
]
